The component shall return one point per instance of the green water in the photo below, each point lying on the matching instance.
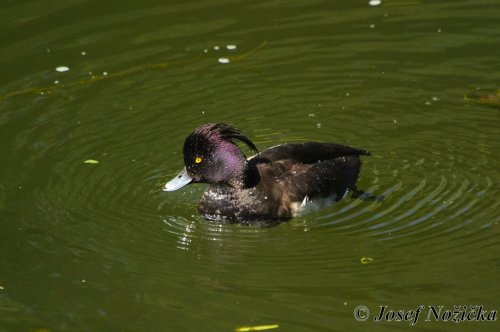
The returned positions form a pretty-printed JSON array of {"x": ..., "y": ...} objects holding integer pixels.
[{"x": 99, "y": 247}]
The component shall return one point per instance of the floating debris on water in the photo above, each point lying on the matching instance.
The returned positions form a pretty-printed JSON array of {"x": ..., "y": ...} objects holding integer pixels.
[
  {"x": 257, "y": 328},
  {"x": 375, "y": 2},
  {"x": 366, "y": 260},
  {"x": 91, "y": 161},
  {"x": 231, "y": 47},
  {"x": 482, "y": 97},
  {"x": 94, "y": 77},
  {"x": 62, "y": 69}
]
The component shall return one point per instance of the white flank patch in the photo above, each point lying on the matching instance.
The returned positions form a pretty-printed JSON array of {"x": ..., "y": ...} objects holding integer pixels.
[{"x": 309, "y": 206}]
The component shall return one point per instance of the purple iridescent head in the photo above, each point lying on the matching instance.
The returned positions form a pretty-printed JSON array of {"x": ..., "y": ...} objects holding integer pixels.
[{"x": 211, "y": 156}]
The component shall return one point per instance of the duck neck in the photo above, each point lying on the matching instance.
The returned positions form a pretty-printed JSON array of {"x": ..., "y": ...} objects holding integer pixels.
[
  {"x": 233, "y": 165},
  {"x": 248, "y": 177},
  {"x": 251, "y": 176}
]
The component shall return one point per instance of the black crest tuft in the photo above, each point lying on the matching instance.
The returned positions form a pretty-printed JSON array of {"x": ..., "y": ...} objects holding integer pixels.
[{"x": 230, "y": 133}]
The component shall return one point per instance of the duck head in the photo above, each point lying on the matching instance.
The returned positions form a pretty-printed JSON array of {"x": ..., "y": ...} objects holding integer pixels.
[{"x": 212, "y": 156}]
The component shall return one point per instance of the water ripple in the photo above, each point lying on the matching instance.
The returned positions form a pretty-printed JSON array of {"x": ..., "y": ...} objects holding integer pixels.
[{"x": 141, "y": 79}]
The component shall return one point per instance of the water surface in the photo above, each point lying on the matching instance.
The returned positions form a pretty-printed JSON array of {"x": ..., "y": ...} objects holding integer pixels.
[{"x": 100, "y": 247}]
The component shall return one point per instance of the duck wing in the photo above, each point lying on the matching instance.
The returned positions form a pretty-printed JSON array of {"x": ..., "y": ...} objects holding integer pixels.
[
  {"x": 291, "y": 182},
  {"x": 309, "y": 152},
  {"x": 322, "y": 179}
]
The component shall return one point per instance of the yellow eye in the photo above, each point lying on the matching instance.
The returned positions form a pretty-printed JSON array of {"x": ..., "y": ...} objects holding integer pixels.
[{"x": 198, "y": 160}]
